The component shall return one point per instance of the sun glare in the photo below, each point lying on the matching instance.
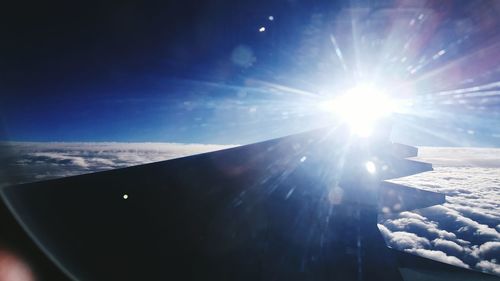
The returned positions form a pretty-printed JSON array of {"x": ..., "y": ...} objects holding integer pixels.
[{"x": 361, "y": 107}]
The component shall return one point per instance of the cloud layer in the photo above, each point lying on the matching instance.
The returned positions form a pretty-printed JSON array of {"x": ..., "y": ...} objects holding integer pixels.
[
  {"x": 28, "y": 161},
  {"x": 463, "y": 232}
]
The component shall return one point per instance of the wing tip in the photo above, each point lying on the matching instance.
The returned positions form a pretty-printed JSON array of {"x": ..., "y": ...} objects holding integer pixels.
[{"x": 396, "y": 198}]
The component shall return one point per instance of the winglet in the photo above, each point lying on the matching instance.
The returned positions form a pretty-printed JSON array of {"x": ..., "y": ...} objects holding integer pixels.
[
  {"x": 404, "y": 151},
  {"x": 395, "y": 198},
  {"x": 398, "y": 168}
]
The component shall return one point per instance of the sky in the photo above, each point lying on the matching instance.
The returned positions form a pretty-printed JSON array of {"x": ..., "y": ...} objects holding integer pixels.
[
  {"x": 236, "y": 72},
  {"x": 464, "y": 231},
  {"x": 96, "y": 85}
]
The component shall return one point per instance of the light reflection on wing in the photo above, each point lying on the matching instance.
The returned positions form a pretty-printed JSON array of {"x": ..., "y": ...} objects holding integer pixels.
[{"x": 299, "y": 207}]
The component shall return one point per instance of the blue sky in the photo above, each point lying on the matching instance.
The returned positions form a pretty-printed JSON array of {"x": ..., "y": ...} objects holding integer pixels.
[{"x": 192, "y": 71}]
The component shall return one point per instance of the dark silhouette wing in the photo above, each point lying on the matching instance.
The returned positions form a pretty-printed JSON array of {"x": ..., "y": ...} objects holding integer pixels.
[{"x": 302, "y": 207}]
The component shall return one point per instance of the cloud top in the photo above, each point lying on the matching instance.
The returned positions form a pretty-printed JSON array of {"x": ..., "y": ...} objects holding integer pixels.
[
  {"x": 34, "y": 161},
  {"x": 465, "y": 230}
]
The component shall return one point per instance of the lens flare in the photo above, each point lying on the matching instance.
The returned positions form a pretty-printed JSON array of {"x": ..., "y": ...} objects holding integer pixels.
[
  {"x": 13, "y": 268},
  {"x": 370, "y": 167}
]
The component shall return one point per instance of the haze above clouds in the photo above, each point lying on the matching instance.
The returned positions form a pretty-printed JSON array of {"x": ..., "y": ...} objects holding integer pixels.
[{"x": 463, "y": 232}]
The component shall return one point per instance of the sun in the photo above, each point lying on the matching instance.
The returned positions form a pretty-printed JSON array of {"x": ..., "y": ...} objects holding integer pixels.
[{"x": 361, "y": 108}]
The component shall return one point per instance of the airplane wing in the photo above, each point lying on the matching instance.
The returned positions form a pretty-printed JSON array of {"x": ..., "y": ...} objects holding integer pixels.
[{"x": 302, "y": 207}]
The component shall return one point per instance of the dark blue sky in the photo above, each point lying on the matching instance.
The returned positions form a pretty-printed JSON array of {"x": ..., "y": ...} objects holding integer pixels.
[{"x": 203, "y": 71}]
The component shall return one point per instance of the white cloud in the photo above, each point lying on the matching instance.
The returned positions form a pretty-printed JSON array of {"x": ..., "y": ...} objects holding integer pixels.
[
  {"x": 411, "y": 215},
  {"x": 487, "y": 250},
  {"x": 403, "y": 240},
  {"x": 448, "y": 246},
  {"x": 466, "y": 228},
  {"x": 438, "y": 256},
  {"x": 489, "y": 266},
  {"x": 420, "y": 226},
  {"x": 58, "y": 159},
  {"x": 461, "y": 156}
]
